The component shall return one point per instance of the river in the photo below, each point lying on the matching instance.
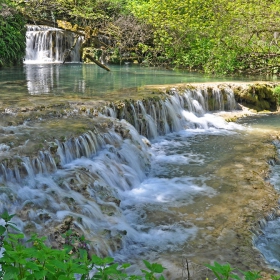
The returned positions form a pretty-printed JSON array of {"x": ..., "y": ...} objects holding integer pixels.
[{"x": 192, "y": 191}]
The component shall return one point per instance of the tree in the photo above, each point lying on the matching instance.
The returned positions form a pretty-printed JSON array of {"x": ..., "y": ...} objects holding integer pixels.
[
  {"x": 12, "y": 34},
  {"x": 215, "y": 36}
]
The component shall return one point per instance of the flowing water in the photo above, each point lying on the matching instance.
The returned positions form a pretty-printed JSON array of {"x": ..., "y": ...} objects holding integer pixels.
[
  {"x": 49, "y": 45},
  {"x": 268, "y": 239},
  {"x": 167, "y": 181},
  {"x": 89, "y": 81}
]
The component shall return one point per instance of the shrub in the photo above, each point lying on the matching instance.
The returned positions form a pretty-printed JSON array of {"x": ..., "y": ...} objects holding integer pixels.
[
  {"x": 12, "y": 34},
  {"x": 39, "y": 261}
]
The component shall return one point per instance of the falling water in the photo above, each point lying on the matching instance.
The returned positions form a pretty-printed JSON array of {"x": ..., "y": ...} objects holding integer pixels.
[
  {"x": 48, "y": 45},
  {"x": 129, "y": 182},
  {"x": 154, "y": 117},
  {"x": 90, "y": 176}
]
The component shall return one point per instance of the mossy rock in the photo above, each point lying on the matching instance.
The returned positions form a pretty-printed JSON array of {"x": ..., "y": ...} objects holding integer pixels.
[{"x": 257, "y": 96}]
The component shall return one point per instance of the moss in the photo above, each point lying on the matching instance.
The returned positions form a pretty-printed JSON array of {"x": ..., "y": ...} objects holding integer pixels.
[
  {"x": 264, "y": 112},
  {"x": 257, "y": 96}
]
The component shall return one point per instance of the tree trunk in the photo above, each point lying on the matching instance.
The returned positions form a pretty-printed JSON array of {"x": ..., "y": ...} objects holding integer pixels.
[{"x": 97, "y": 62}]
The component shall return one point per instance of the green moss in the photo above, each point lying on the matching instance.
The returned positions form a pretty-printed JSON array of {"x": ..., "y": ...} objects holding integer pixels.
[{"x": 257, "y": 96}]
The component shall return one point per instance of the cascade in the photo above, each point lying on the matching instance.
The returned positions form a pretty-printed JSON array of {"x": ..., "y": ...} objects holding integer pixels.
[
  {"x": 84, "y": 183},
  {"x": 48, "y": 45},
  {"x": 89, "y": 178},
  {"x": 153, "y": 117},
  {"x": 150, "y": 118},
  {"x": 189, "y": 190}
]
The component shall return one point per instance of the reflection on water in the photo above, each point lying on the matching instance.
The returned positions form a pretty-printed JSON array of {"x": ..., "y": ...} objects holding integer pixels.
[
  {"x": 41, "y": 80},
  {"x": 90, "y": 80}
]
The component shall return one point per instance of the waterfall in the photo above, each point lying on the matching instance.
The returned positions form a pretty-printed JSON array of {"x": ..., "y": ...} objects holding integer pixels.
[
  {"x": 92, "y": 177},
  {"x": 79, "y": 178},
  {"x": 48, "y": 45},
  {"x": 154, "y": 117}
]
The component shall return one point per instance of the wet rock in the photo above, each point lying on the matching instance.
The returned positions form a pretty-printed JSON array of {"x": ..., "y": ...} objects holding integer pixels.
[
  {"x": 259, "y": 97},
  {"x": 44, "y": 216},
  {"x": 67, "y": 222}
]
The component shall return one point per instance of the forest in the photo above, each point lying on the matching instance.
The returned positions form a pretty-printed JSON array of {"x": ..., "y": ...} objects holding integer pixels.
[{"x": 217, "y": 37}]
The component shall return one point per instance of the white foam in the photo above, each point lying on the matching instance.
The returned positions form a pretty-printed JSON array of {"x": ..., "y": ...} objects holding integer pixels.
[
  {"x": 208, "y": 121},
  {"x": 164, "y": 190},
  {"x": 4, "y": 148}
]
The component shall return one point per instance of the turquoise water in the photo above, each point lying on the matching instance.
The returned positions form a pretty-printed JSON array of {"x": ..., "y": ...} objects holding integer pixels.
[{"x": 92, "y": 81}]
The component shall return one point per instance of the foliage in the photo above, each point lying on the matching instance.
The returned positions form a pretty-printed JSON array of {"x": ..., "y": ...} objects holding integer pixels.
[
  {"x": 216, "y": 36},
  {"x": 128, "y": 37},
  {"x": 94, "y": 13},
  {"x": 39, "y": 261},
  {"x": 12, "y": 34},
  {"x": 222, "y": 271},
  {"x": 225, "y": 272},
  {"x": 276, "y": 92}
]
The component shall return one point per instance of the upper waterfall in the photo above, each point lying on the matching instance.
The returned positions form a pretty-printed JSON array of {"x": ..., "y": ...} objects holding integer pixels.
[{"x": 48, "y": 45}]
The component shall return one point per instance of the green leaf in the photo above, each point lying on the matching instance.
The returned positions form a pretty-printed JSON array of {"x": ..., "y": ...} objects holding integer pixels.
[
  {"x": 154, "y": 267},
  {"x": 15, "y": 236},
  {"x": 40, "y": 274},
  {"x": 12, "y": 226},
  {"x": 251, "y": 275},
  {"x": 2, "y": 230},
  {"x": 10, "y": 276},
  {"x": 32, "y": 266},
  {"x": 63, "y": 277},
  {"x": 52, "y": 269},
  {"x": 83, "y": 254},
  {"x": 157, "y": 268},
  {"x": 112, "y": 269},
  {"x": 148, "y": 265},
  {"x": 125, "y": 265},
  {"x": 11, "y": 272},
  {"x": 96, "y": 260},
  {"x": 6, "y": 217},
  {"x": 58, "y": 264},
  {"x": 108, "y": 260}
]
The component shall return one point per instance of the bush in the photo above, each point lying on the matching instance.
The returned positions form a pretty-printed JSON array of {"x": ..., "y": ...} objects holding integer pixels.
[
  {"x": 12, "y": 34},
  {"x": 33, "y": 259}
]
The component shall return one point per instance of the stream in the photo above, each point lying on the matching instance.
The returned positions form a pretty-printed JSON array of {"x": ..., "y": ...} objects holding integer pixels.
[{"x": 190, "y": 193}]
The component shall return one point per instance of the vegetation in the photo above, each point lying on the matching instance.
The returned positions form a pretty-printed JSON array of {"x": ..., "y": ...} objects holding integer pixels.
[
  {"x": 224, "y": 272},
  {"x": 34, "y": 260},
  {"x": 212, "y": 36},
  {"x": 276, "y": 92},
  {"x": 12, "y": 34},
  {"x": 215, "y": 36}
]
